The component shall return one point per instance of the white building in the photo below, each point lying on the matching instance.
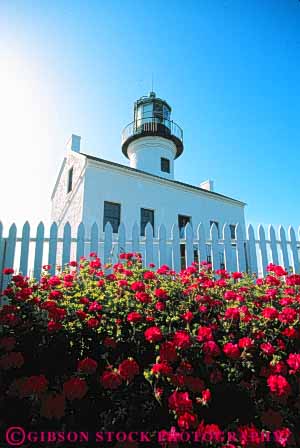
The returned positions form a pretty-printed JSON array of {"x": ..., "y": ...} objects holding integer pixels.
[{"x": 89, "y": 189}]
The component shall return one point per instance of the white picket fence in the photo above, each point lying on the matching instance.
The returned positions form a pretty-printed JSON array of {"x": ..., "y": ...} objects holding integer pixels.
[{"x": 27, "y": 254}]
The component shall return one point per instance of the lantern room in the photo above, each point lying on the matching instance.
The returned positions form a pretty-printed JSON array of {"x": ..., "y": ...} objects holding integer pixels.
[{"x": 152, "y": 141}]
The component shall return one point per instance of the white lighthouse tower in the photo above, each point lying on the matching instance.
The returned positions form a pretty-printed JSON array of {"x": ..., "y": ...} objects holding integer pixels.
[{"x": 152, "y": 141}]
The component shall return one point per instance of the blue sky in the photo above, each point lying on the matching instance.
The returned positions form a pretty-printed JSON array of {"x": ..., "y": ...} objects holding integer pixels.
[{"x": 229, "y": 68}]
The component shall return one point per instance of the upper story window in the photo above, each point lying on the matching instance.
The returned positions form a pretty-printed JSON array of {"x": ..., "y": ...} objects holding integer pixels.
[
  {"x": 112, "y": 214},
  {"x": 148, "y": 110},
  {"x": 70, "y": 180},
  {"x": 147, "y": 215},
  {"x": 232, "y": 228},
  {"x": 217, "y": 225},
  {"x": 182, "y": 222},
  {"x": 165, "y": 165},
  {"x": 166, "y": 113}
]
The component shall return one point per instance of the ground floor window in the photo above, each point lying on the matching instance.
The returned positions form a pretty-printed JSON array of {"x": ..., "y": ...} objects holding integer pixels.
[
  {"x": 112, "y": 214},
  {"x": 147, "y": 215},
  {"x": 182, "y": 222}
]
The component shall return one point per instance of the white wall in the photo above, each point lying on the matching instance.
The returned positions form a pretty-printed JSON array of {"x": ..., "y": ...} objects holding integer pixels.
[
  {"x": 69, "y": 206},
  {"x": 135, "y": 191}
]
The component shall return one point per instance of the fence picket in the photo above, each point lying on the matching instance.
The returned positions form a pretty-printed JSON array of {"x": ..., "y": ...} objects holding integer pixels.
[
  {"x": 108, "y": 233},
  {"x": 294, "y": 250},
  {"x": 53, "y": 248},
  {"x": 284, "y": 249},
  {"x": 2, "y": 252},
  {"x": 176, "y": 260},
  {"x": 263, "y": 249},
  {"x": 273, "y": 245},
  {"x": 215, "y": 256},
  {"x": 162, "y": 253},
  {"x": 202, "y": 254},
  {"x": 9, "y": 256},
  {"x": 38, "y": 254},
  {"x": 66, "y": 252},
  {"x": 189, "y": 244},
  {"x": 80, "y": 242},
  {"x": 251, "y": 245},
  {"x": 148, "y": 244},
  {"x": 240, "y": 249},
  {"x": 94, "y": 239},
  {"x": 122, "y": 239},
  {"x": 227, "y": 248},
  {"x": 25, "y": 248},
  {"x": 135, "y": 238}
]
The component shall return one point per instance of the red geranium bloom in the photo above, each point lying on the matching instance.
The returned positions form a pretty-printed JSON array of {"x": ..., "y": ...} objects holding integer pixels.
[
  {"x": 153, "y": 334},
  {"x": 93, "y": 323},
  {"x": 231, "y": 350},
  {"x": 161, "y": 294},
  {"x": 167, "y": 352},
  {"x": 181, "y": 339},
  {"x": 8, "y": 271},
  {"x": 204, "y": 334},
  {"x": 75, "y": 388},
  {"x": 180, "y": 402},
  {"x": 187, "y": 421},
  {"x": 162, "y": 368},
  {"x": 138, "y": 286},
  {"x": 128, "y": 369},
  {"x": 134, "y": 317},
  {"x": 278, "y": 385},
  {"x": 110, "y": 380},
  {"x": 34, "y": 385},
  {"x": 87, "y": 365}
]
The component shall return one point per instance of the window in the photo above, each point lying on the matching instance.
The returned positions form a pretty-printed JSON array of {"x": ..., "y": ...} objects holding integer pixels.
[
  {"x": 112, "y": 213},
  {"x": 182, "y": 222},
  {"x": 232, "y": 231},
  {"x": 165, "y": 165},
  {"x": 70, "y": 180},
  {"x": 166, "y": 113},
  {"x": 148, "y": 110},
  {"x": 146, "y": 216},
  {"x": 217, "y": 225}
]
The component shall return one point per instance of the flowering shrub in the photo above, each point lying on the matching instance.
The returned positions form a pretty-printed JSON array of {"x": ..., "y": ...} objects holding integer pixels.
[{"x": 132, "y": 348}]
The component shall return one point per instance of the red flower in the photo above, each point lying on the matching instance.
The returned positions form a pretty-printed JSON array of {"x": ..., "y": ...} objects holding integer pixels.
[
  {"x": 161, "y": 294},
  {"x": 149, "y": 275},
  {"x": 246, "y": 342},
  {"x": 182, "y": 340},
  {"x": 278, "y": 385},
  {"x": 54, "y": 281},
  {"x": 11, "y": 360},
  {"x": 211, "y": 348},
  {"x": 267, "y": 348},
  {"x": 128, "y": 369},
  {"x": 110, "y": 380},
  {"x": 81, "y": 314},
  {"x": 167, "y": 352},
  {"x": 109, "y": 342},
  {"x": 294, "y": 362},
  {"x": 143, "y": 297},
  {"x": 34, "y": 385},
  {"x": 54, "y": 326},
  {"x": 269, "y": 313},
  {"x": 93, "y": 322},
  {"x": 162, "y": 368},
  {"x": 87, "y": 365},
  {"x": 180, "y": 402},
  {"x": 8, "y": 271},
  {"x": 187, "y": 421},
  {"x": 160, "y": 306},
  {"x": 134, "y": 317},
  {"x": 153, "y": 334},
  {"x": 231, "y": 350},
  {"x": 188, "y": 316},
  {"x": 138, "y": 286},
  {"x": 73, "y": 264},
  {"x": 53, "y": 406},
  {"x": 75, "y": 388},
  {"x": 206, "y": 396},
  {"x": 204, "y": 334}
]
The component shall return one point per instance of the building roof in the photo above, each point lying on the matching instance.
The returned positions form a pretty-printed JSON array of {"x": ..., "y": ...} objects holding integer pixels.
[{"x": 170, "y": 181}]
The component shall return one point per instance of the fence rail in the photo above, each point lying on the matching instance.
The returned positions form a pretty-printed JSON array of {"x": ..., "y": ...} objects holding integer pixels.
[{"x": 27, "y": 252}]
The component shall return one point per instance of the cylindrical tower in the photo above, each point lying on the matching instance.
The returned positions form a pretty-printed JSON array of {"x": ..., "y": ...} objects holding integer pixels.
[{"x": 152, "y": 141}]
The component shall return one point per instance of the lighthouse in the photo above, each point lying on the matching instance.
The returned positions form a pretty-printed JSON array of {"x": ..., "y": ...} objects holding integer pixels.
[{"x": 153, "y": 140}]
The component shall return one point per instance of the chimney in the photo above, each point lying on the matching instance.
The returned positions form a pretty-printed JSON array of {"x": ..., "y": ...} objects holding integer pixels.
[
  {"x": 73, "y": 144},
  {"x": 207, "y": 185}
]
